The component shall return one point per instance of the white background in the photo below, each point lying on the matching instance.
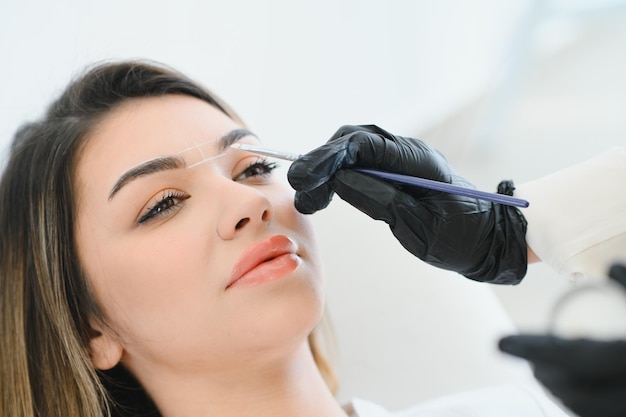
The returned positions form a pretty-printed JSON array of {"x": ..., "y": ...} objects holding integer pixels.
[{"x": 513, "y": 88}]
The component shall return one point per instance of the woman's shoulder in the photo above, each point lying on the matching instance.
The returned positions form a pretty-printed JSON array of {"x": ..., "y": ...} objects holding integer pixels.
[{"x": 497, "y": 401}]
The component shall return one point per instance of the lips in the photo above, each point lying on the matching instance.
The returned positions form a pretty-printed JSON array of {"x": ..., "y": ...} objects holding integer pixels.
[{"x": 265, "y": 261}]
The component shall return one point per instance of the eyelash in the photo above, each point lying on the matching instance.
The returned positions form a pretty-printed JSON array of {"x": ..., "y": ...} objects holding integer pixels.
[
  {"x": 169, "y": 202},
  {"x": 259, "y": 168}
]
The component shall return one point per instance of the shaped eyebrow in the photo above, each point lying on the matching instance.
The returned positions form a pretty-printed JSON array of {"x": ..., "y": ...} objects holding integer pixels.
[
  {"x": 164, "y": 163},
  {"x": 231, "y": 137}
]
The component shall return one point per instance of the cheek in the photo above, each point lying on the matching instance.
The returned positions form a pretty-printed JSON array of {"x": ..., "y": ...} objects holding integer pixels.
[{"x": 145, "y": 286}]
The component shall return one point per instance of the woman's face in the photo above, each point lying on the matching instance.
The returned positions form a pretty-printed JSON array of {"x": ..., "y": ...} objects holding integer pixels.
[{"x": 193, "y": 267}]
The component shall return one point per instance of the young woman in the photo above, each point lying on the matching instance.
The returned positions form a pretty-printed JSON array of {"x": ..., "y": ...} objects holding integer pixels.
[
  {"x": 147, "y": 268},
  {"x": 202, "y": 282}
]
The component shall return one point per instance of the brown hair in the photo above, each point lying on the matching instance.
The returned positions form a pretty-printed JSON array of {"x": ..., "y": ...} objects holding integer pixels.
[{"x": 45, "y": 303}]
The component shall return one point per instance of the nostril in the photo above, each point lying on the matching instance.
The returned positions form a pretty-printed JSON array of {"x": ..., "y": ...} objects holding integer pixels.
[
  {"x": 265, "y": 215},
  {"x": 241, "y": 223}
]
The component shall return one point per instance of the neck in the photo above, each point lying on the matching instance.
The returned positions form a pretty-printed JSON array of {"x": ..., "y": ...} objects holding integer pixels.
[{"x": 291, "y": 385}]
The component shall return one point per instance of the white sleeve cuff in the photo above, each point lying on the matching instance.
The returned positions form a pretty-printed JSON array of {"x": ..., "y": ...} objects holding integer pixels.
[{"x": 577, "y": 216}]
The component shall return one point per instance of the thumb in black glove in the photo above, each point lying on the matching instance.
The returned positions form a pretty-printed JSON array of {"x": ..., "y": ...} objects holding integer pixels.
[{"x": 483, "y": 241}]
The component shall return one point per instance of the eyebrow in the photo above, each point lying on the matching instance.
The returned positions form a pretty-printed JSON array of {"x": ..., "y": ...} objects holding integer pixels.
[{"x": 164, "y": 163}]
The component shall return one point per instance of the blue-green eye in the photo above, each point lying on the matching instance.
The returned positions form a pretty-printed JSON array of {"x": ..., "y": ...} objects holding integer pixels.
[
  {"x": 172, "y": 200},
  {"x": 258, "y": 168}
]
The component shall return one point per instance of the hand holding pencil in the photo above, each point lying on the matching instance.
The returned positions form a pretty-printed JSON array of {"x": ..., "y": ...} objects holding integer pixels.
[{"x": 480, "y": 239}]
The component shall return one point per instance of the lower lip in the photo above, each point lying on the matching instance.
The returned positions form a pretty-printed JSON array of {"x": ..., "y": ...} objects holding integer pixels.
[{"x": 268, "y": 271}]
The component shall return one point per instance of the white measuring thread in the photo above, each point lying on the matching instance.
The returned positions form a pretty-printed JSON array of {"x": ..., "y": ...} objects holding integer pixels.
[
  {"x": 199, "y": 147},
  {"x": 206, "y": 160}
]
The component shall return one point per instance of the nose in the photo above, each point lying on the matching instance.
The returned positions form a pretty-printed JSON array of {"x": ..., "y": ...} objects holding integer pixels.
[{"x": 245, "y": 208}]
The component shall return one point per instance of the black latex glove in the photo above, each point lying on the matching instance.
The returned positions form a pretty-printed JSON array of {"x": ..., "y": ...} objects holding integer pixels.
[
  {"x": 483, "y": 241},
  {"x": 588, "y": 376}
]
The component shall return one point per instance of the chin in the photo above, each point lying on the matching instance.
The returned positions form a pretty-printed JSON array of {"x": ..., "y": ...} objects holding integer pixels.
[{"x": 288, "y": 318}]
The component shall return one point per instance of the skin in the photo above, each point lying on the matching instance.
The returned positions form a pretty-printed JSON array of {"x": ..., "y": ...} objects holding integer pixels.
[
  {"x": 198, "y": 347},
  {"x": 532, "y": 256}
]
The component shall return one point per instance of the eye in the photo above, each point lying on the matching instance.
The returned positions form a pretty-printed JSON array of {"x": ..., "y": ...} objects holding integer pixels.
[
  {"x": 259, "y": 168},
  {"x": 169, "y": 201}
]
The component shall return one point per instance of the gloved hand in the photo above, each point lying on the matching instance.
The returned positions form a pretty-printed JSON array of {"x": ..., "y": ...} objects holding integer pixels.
[
  {"x": 481, "y": 240},
  {"x": 588, "y": 376}
]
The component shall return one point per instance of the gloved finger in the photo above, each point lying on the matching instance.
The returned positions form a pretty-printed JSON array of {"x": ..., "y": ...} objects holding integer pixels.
[
  {"x": 577, "y": 357},
  {"x": 349, "y": 129},
  {"x": 370, "y": 147},
  {"x": 319, "y": 165},
  {"x": 366, "y": 146},
  {"x": 373, "y": 147},
  {"x": 371, "y": 195},
  {"x": 535, "y": 347},
  {"x": 308, "y": 202}
]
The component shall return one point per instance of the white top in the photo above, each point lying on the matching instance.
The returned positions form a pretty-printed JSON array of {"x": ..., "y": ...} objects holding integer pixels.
[
  {"x": 500, "y": 401},
  {"x": 577, "y": 216}
]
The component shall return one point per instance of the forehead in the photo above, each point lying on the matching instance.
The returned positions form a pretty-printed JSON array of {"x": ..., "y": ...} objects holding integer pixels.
[{"x": 144, "y": 128}]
